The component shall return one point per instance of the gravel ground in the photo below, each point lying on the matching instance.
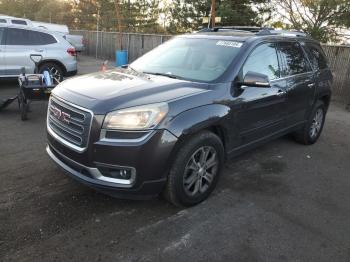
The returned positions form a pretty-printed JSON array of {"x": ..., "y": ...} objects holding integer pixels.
[{"x": 280, "y": 202}]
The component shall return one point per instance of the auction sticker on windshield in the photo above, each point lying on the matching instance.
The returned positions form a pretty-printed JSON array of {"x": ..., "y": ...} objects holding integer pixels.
[{"x": 229, "y": 44}]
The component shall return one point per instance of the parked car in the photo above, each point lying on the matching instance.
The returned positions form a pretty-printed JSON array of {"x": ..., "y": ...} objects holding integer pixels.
[
  {"x": 10, "y": 20},
  {"x": 52, "y": 27},
  {"x": 77, "y": 41},
  {"x": 167, "y": 123},
  {"x": 18, "y": 42}
]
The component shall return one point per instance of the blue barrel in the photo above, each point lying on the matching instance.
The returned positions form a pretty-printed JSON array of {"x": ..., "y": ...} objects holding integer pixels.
[{"x": 121, "y": 57}]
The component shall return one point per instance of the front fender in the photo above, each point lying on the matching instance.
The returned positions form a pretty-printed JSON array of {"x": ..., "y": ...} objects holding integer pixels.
[{"x": 199, "y": 118}]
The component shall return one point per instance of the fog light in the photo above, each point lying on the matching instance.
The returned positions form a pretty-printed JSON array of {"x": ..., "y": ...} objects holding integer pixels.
[
  {"x": 124, "y": 173},
  {"x": 120, "y": 173}
]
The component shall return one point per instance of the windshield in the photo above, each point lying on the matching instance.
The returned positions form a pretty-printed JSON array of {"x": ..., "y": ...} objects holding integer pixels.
[{"x": 190, "y": 59}]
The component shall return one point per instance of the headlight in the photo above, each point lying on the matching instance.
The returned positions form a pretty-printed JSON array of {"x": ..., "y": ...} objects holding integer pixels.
[{"x": 140, "y": 117}]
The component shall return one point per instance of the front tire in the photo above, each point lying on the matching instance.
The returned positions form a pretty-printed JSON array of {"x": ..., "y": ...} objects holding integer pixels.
[
  {"x": 195, "y": 171},
  {"x": 312, "y": 130}
]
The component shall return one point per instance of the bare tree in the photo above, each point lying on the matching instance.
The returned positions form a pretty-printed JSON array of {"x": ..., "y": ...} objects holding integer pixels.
[{"x": 319, "y": 18}]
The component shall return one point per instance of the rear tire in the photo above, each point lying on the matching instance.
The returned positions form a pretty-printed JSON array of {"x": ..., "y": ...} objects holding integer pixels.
[
  {"x": 195, "y": 170},
  {"x": 54, "y": 70},
  {"x": 312, "y": 129}
]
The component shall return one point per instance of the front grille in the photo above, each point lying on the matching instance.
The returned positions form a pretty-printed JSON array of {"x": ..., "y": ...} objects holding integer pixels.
[{"x": 70, "y": 123}]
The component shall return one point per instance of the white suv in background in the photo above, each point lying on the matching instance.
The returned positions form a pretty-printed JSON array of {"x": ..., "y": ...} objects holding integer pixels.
[{"x": 18, "y": 42}]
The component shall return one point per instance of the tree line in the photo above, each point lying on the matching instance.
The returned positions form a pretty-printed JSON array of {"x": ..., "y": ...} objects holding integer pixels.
[{"x": 320, "y": 18}]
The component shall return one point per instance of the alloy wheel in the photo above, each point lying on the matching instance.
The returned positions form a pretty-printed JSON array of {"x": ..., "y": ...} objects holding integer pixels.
[
  {"x": 200, "y": 170},
  {"x": 316, "y": 124},
  {"x": 56, "y": 75}
]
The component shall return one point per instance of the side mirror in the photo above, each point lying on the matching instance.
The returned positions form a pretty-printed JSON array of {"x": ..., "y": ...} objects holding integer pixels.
[{"x": 256, "y": 80}]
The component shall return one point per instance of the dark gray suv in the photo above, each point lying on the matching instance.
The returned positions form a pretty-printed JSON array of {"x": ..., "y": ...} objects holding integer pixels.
[{"x": 167, "y": 122}]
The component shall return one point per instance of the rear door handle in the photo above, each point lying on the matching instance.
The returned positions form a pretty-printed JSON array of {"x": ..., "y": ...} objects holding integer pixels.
[{"x": 311, "y": 85}]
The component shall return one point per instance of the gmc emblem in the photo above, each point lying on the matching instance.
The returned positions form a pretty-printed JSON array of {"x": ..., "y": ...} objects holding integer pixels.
[{"x": 60, "y": 115}]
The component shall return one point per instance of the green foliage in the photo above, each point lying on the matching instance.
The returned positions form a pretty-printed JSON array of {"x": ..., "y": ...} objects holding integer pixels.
[
  {"x": 240, "y": 12},
  {"x": 20, "y": 8},
  {"x": 316, "y": 17},
  {"x": 141, "y": 16},
  {"x": 188, "y": 15}
]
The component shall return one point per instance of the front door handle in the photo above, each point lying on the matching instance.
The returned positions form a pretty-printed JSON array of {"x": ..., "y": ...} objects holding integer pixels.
[{"x": 280, "y": 93}]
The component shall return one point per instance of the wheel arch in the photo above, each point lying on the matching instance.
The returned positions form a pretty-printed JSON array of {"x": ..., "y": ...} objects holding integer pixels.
[
  {"x": 326, "y": 99},
  {"x": 55, "y": 62},
  {"x": 205, "y": 118}
]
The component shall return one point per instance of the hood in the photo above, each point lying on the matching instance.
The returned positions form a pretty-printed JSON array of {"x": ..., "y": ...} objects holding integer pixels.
[{"x": 121, "y": 88}]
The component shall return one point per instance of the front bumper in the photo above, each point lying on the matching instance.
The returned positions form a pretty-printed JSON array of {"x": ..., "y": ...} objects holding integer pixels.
[{"x": 150, "y": 159}]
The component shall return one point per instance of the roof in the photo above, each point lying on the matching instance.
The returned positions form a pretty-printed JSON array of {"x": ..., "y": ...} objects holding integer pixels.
[
  {"x": 38, "y": 29},
  {"x": 245, "y": 33},
  {"x": 241, "y": 36},
  {"x": 36, "y": 24}
]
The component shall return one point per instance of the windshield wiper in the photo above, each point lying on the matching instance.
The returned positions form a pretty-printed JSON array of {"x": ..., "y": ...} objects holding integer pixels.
[{"x": 163, "y": 74}]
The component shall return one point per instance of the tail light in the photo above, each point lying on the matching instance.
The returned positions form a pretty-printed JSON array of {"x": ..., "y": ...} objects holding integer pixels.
[{"x": 71, "y": 51}]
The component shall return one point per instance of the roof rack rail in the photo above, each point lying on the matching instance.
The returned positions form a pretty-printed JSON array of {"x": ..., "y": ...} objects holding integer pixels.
[
  {"x": 252, "y": 29},
  {"x": 259, "y": 31},
  {"x": 281, "y": 33}
]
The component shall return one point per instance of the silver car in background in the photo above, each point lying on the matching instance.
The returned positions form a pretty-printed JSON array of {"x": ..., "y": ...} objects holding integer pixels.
[
  {"x": 18, "y": 42},
  {"x": 77, "y": 41}
]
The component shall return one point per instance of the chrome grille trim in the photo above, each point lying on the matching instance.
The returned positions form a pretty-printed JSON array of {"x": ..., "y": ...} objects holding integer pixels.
[
  {"x": 57, "y": 128},
  {"x": 74, "y": 134},
  {"x": 69, "y": 129}
]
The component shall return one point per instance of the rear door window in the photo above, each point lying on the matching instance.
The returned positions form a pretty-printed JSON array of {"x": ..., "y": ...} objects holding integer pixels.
[
  {"x": 17, "y": 37},
  {"x": 28, "y": 37},
  {"x": 263, "y": 60},
  {"x": 293, "y": 60},
  {"x": 316, "y": 56}
]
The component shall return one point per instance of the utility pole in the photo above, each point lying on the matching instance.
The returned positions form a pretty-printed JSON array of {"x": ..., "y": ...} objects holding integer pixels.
[
  {"x": 24, "y": 8},
  {"x": 97, "y": 28},
  {"x": 117, "y": 12},
  {"x": 213, "y": 13},
  {"x": 129, "y": 14},
  {"x": 119, "y": 21}
]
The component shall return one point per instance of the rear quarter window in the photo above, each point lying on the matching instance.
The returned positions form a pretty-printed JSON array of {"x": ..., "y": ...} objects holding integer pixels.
[
  {"x": 293, "y": 60},
  {"x": 3, "y": 21},
  {"x": 47, "y": 39}
]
